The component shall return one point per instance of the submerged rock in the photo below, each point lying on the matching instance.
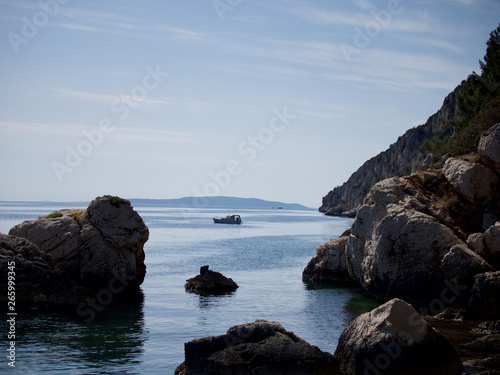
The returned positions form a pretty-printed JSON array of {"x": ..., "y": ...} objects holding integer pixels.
[
  {"x": 210, "y": 282},
  {"x": 395, "y": 339},
  {"x": 261, "y": 347}
]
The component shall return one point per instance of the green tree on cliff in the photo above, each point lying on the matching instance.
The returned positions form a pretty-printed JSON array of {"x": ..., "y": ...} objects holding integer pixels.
[
  {"x": 490, "y": 67},
  {"x": 480, "y": 88}
]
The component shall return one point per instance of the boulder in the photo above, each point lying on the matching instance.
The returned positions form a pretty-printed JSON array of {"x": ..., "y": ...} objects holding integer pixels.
[
  {"x": 330, "y": 263},
  {"x": 210, "y": 282},
  {"x": 261, "y": 347},
  {"x": 477, "y": 243},
  {"x": 38, "y": 283},
  {"x": 492, "y": 239},
  {"x": 94, "y": 246},
  {"x": 473, "y": 181},
  {"x": 395, "y": 339},
  {"x": 489, "y": 147},
  {"x": 400, "y": 247},
  {"x": 485, "y": 300}
]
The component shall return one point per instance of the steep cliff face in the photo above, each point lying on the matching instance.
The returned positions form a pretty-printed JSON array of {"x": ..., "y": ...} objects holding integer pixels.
[{"x": 402, "y": 158}]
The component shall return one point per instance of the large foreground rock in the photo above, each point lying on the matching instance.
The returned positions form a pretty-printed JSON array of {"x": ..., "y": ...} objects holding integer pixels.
[
  {"x": 94, "y": 246},
  {"x": 408, "y": 241},
  {"x": 261, "y": 347},
  {"x": 395, "y": 339}
]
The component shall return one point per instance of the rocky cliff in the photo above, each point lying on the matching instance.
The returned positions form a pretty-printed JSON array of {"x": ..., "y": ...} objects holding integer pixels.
[
  {"x": 402, "y": 158},
  {"x": 424, "y": 237}
]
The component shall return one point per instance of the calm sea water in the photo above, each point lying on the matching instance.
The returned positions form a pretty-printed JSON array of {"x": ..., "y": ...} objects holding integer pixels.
[{"x": 265, "y": 256}]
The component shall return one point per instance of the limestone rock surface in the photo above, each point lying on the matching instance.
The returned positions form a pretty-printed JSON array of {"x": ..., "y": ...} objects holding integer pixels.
[
  {"x": 395, "y": 339},
  {"x": 330, "y": 263},
  {"x": 489, "y": 147},
  {"x": 93, "y": 245},
  {"x": 473, "y": 181}
]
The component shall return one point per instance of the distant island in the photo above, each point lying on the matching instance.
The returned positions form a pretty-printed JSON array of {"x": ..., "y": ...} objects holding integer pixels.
[{"x": 220, "y": 202}]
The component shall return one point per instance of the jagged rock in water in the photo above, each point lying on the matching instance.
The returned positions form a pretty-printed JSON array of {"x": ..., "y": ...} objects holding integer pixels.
[
  {"x": 94, "y": 246},
  {"x": 395, "y": 339},
  {"x": 261, "y": 347},
  {"x": 330, "y": 263},
  {"x": 210, "y": 282}
]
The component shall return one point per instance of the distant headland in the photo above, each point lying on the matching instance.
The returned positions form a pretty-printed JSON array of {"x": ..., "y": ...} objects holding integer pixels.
[{"x": 220, "y": 202}]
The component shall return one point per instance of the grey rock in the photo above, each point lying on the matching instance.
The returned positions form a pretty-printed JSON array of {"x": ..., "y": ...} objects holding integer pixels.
[
  {"x": 398, "y": 248},
  {"x": 260, "y": 348},
  {"x": 489, "y": 147},
  {"x": 473, "y": 181},
  {"x": 407, "y": 241},
  {"x": 492, "y": 239},
  {"x": 477, "y": 243},
  {"x": 330, "y": 263},
  {"x": 94, "y": 245},
  {"x": 210, "y": 282},
  {"x": 395, "y": 339}
]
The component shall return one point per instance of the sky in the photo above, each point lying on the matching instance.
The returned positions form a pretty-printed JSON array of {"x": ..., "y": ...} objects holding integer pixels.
[{"x": 272, "y": 99}]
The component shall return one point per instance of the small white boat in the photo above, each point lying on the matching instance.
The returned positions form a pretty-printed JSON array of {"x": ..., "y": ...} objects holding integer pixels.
[{"x": 230, "y": 219}]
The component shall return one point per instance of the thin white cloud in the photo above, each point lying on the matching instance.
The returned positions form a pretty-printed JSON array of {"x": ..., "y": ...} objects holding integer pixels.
[
  {"x": 118, "y": 134},
  {"x": 75, "y": 95}
]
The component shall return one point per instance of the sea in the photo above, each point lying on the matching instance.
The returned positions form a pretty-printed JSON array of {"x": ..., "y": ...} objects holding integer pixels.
[{"x": 265, "y": 256}]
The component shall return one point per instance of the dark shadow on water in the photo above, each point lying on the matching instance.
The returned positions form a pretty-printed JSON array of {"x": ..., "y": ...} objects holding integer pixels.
[{"x": 112, "y": 342}]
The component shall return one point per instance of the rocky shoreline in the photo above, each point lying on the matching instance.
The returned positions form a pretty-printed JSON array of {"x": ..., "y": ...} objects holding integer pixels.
[
  {"x": 432, "y": 239},
  {"x": 427, "y": 246}
]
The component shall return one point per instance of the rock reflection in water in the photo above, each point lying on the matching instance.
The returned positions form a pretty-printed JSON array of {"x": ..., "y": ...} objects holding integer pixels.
[{"x": 113, "y": 341}]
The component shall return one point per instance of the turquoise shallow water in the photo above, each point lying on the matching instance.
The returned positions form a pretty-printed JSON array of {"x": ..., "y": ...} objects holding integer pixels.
[{"x": 265, "y": 256}]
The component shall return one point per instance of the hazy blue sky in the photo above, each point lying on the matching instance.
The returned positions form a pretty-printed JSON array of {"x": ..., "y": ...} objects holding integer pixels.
[{"x": 273, "y": 99}]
